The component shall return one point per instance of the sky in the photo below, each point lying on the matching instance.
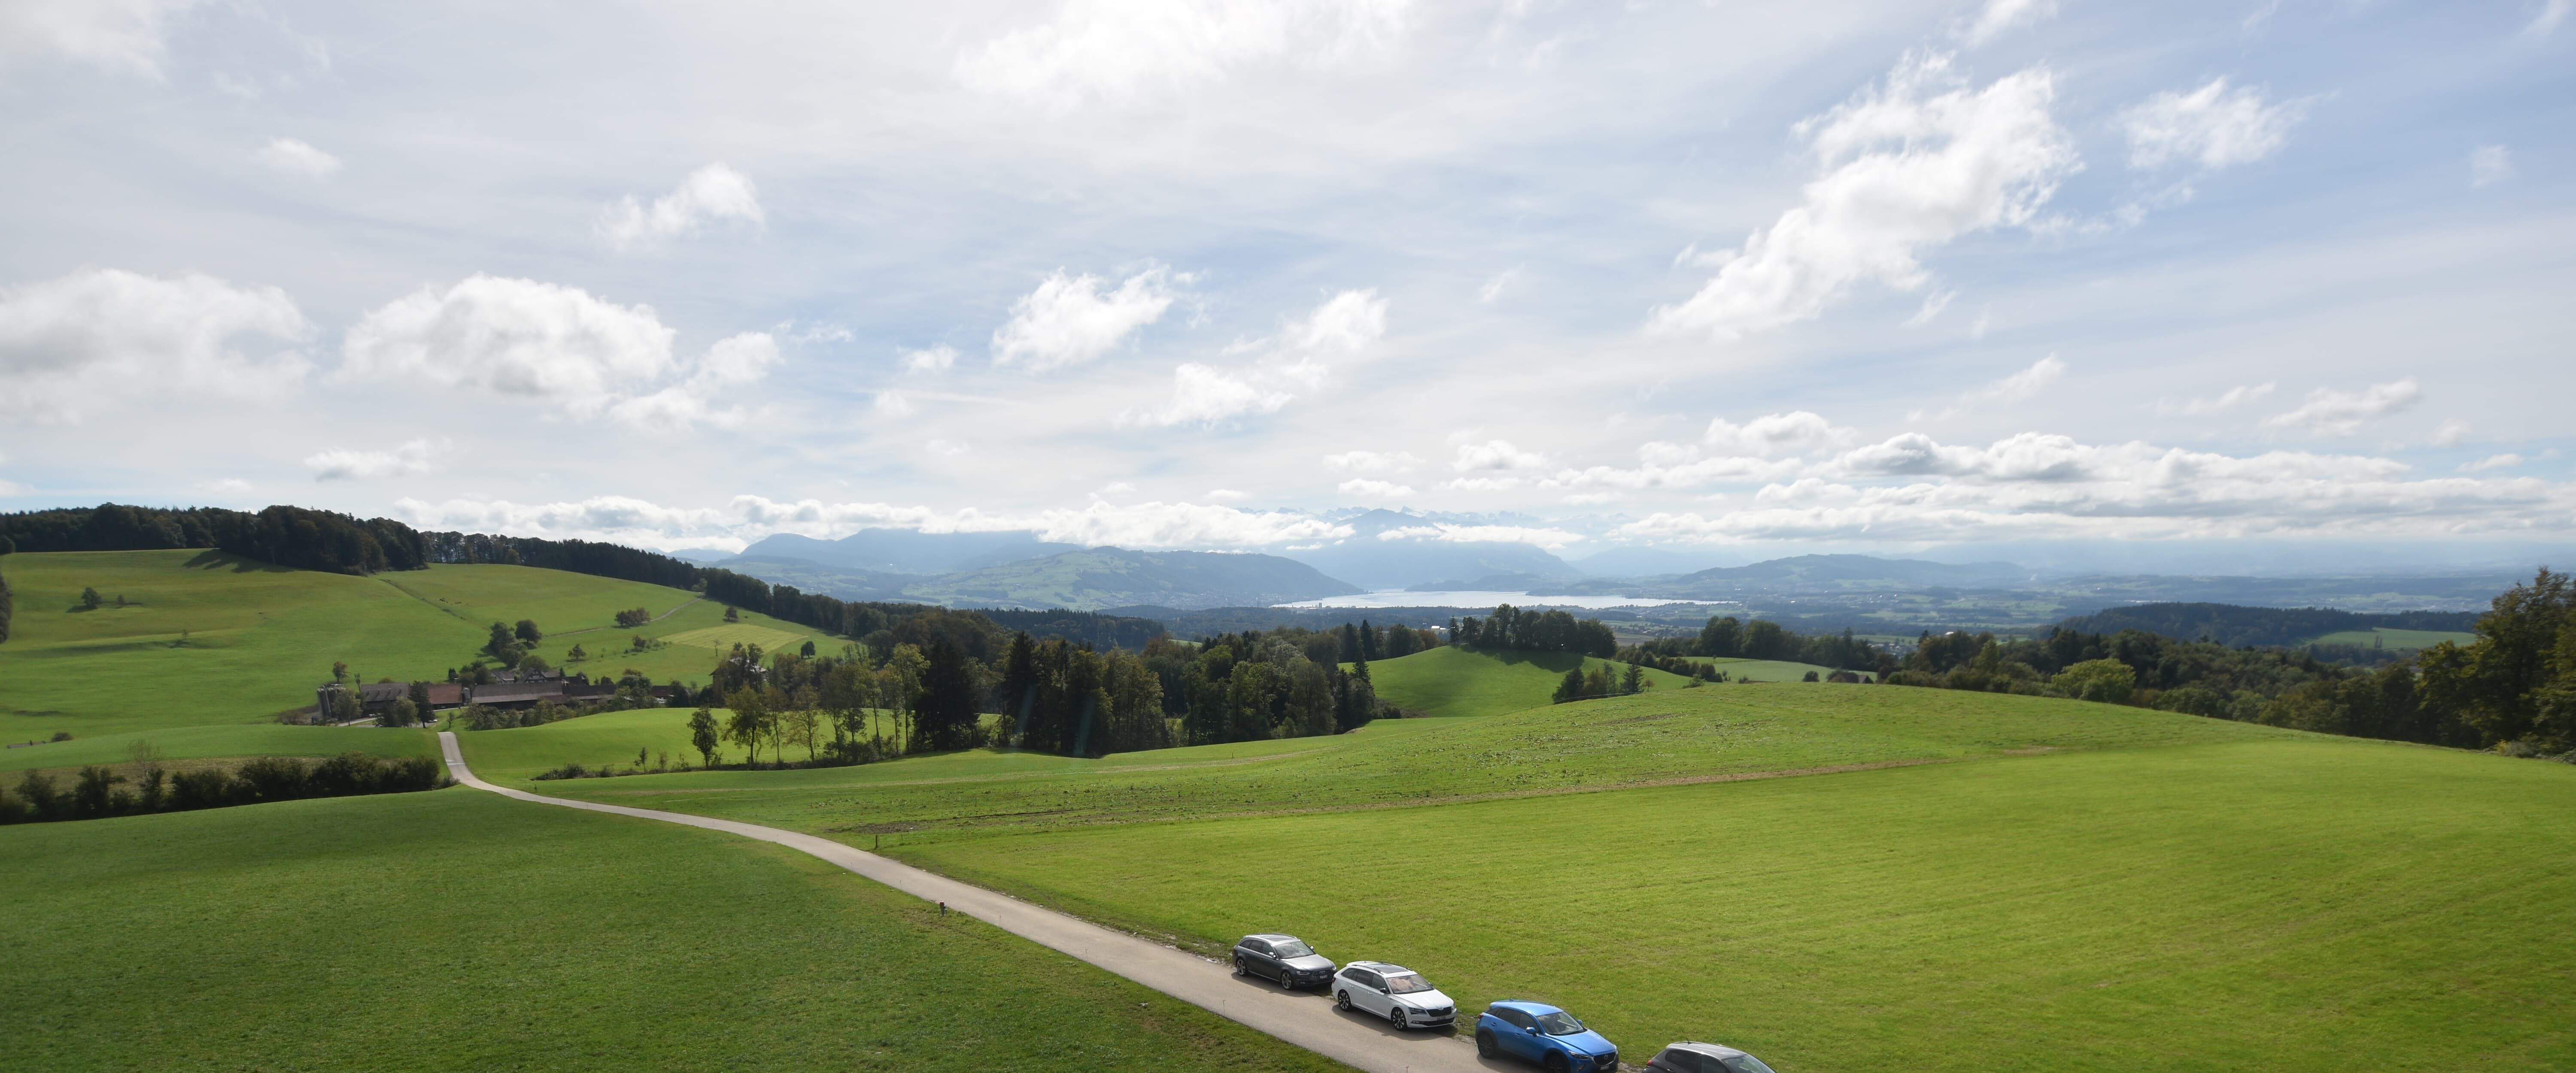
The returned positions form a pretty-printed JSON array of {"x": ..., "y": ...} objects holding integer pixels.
[{"x": 2254, "y": 280}]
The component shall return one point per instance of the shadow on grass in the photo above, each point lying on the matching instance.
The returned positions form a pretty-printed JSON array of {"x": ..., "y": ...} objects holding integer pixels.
[{"x": 211, "y": 559}]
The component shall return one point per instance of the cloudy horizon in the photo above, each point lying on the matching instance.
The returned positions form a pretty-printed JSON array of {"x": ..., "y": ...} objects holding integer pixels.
[{"x": 2214, "y": 283}]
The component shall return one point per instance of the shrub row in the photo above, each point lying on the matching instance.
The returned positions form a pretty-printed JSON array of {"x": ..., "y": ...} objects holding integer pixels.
[{"x": 98, "y": 792}]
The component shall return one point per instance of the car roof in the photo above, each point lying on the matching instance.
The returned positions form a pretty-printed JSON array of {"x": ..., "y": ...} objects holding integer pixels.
[
  {"x": 1528, "y": 1007},
  {"x": 1377, "y": 966},
  {"x": 1272, "y": 936},
  {"x": 1713, "y": 1050}
]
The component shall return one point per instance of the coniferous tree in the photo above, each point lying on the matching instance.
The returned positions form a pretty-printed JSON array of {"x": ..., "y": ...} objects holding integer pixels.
[{"x": 7, "y": 606}]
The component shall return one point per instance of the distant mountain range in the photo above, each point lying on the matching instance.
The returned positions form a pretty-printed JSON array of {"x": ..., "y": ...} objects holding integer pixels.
[
  {"x": 1088, "y": 579},
  {"x": 906, "y": 551}
]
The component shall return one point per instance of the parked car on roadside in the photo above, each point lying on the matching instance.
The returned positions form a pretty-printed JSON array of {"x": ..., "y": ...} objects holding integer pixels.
[
  {"x": 1284, "y": 958},
  {"x": 1393, "y": 992},
  {"x": 1541, "y": 1033},
  {"x": 1704, "y": 1058}
]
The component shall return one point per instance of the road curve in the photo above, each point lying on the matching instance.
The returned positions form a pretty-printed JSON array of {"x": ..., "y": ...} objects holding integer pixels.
[{"x": 1305, "y": 1019}]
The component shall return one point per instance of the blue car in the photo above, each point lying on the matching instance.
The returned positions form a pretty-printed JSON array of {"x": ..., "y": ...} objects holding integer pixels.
[{"x": 1543, "y": 1034}]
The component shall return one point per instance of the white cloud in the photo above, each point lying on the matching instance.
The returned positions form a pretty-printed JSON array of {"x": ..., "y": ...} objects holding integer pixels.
[
  {"x": 2502, "y": 461},
  {"x": 2036, "y": 486},
  {"x": 226, "y": 486},
  {"x": 1116, "y": 488},
  {"x": 2001, "y": 15},
  {"x": 1495, "y": 287},
  {"x": 2240, "y": 395},
  {"x": 933, "y": 360},
  {"x": 515, "y": 337},
  {"x": 892, "y": 404},
  {"x": 2451, "y": 433},
  {"x": 1372, "y": 488},
  {"x": 1203, "y": 395},
  {"x": 709, "y": 195},
  {"x": 2546, "y": 21},
  {"x": 1445, "y": 532},
  {"x": 82, "y": 341},
  {"x": 1933, "y": 304},
  {"x": 297, "y": 160},
  {"x": 12, "y": 488},
  {"x": 1495, "y": 455},
  {"x": 2341, "y": 413},
  {"x": 343, "y": 464},
  {"x": 1347, "y": 322},
  {"x": 1773, "y": 434},
  {"x": 2208, "y": 126},
  {"x": 2013, "y": 388},
  {"x": 1118, "y": 50},
  {"x": 947, "y": 448},
  {"x": 118, "y": 36},
  {"x": 1908, "y": 166},
  {"x": 2490, "y": 164},
  {"x": 1178, "y": 525},
  {"x": 1373, "y": 461},
  {"x": 1067, "y": 320},
  {"x": 734, "y": 361},
  {"x": 1228, "y": 494}
]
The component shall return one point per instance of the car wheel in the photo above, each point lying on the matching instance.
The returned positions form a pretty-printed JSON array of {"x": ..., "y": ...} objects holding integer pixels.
[
  {"x": 1238, "y": 967},
  {"x": 1555, "y": 1062},
  {"x": 1342, "y": 1001},
  {"x": 1396, "y": 1017},
  {"x": 1486, "y": 1047},
  {"x": 1287, "y": 979}
]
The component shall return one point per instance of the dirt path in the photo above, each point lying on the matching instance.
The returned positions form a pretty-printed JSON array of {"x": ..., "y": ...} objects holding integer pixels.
[{"x": 1305, "y": 1019}]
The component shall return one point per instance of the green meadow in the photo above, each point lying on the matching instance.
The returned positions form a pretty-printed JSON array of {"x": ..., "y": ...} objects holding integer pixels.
[
  {"x": 1713, "y": 732},
  {"x": 2382, "y": 637},
  {"x": 2312, "y": 904},
  {"x": 1451, "y": 681},
  {"x": 212, "y": 742},
  {"x": 458, "y": 930},
  {"x": 208, "y": 638}
]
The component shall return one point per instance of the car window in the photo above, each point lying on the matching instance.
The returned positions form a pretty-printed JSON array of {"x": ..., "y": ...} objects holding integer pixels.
[
  {"x": 1365, "y": 978},
  {"x": 1291, "y": 949},
  {"x": 1256, "y": 946},
  {"x": 1559, "y": 1023},
  {"x": 1679, "y": 1061},
  {"x": 1743, "y": 1063},
  {"x": 1516, "y": 1017},
  {"x": 1408, "y": 983}
]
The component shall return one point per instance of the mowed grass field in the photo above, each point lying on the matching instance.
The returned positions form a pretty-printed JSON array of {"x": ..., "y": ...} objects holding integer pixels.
[
  {"x": 2388, "y": 638},
  {"x": 211, "y": 639},
  {"x": 1450, "y": 681},
  {"x": 196, "y": 743},
  {"x": 457, "y": 930},
  {"x": 1713, "y": 732},
  {"x": 2305, "y": 904}
]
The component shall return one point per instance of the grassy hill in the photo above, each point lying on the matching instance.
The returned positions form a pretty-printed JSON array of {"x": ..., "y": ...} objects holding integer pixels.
[
  {"x": 458, "y": 930},
  {"x": 1456, "y": 681},
  {"x": 1961, "y": 882},
  {"x": 208, "y": 638}
]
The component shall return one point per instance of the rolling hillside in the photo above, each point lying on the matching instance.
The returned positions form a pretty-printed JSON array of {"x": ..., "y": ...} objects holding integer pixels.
[
  {"x": 207, "y": 638},
  {"x": 456, "y": 930},
  {"x": 1891, "y": 878},
  {"x": 1455, "y": 681}
]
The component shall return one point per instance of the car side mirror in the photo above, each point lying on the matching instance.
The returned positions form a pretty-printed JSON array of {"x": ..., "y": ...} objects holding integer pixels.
[{"x": 1532, "y": 1030}]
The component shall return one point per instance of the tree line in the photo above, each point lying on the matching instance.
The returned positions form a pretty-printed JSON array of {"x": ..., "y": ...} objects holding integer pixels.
[
  {"x": 287, "y": 536},
  {"x": 1513, "y": 629},
  {"x": 2513, "y": 688},
  {"x": 1726, "y": 637},
  {"x": 99, "y": 792}
]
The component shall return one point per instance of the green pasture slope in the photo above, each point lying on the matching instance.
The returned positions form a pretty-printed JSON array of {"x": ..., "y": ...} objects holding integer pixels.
[
  {"x": 2396, "y": 639},
  {"x": 209, "y": 639},
  {"x": 458, "y": 930},
  {"x": 248, "y": 739},
  {"x": 1449, "y": 680},
  {"x": 1974, "y": 882}
]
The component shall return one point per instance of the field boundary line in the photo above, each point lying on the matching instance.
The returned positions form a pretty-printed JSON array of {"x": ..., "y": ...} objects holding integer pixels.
[{"x": 1298, "y": 1018}]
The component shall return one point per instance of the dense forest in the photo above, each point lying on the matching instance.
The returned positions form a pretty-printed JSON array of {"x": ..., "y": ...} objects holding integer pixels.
[
  {"x": 1512, "y": 629},
  {"x": 287, "y": 536},
  {"x": 1727, "y": 638},
  {"x": 2236, "y": 627}
]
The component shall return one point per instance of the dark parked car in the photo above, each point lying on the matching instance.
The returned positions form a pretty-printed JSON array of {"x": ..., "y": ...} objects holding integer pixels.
[
  {"x": 1543, "y": 1034},
  {"x": 1705, "y": 1058},
  {"x": 1284, "y": 958}
]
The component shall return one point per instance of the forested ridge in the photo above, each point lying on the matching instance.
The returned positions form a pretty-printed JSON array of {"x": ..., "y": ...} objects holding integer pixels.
[{"x": 2234, "y": 626}]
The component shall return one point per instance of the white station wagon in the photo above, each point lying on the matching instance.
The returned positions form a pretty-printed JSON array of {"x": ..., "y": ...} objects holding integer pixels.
[{"x": 1393, "y": 992}]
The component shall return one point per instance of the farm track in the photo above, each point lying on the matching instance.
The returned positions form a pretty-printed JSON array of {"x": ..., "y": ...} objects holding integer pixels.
[{"x": 1301, "y": 1019}]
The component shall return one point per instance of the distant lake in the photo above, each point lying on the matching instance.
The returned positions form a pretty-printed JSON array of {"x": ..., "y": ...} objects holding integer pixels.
[{"x": 1486, "y": 600}]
